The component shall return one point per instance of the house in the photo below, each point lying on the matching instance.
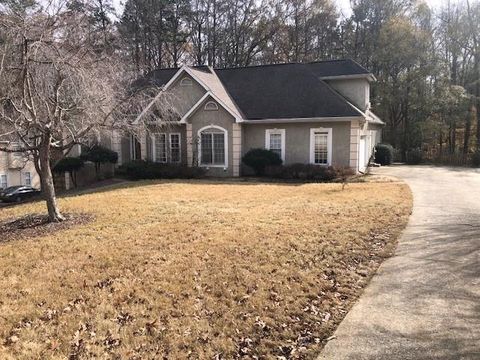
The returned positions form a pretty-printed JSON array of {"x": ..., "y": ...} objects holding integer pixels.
[
  {"x": 16, "y": 169},
  {"x": 317, "y": 113}
]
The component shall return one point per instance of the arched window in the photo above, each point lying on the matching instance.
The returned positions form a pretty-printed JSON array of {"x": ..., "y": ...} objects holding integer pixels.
[
  {"x": 211, "y": 106},
  {"x": 186, "y": 82},
  {"x": 213, "y": 146}
]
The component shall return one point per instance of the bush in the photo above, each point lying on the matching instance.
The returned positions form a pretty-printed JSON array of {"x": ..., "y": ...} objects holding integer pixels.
[
  {"x": 70, "y": 164},
  {"x": 140, "y": 169},
  {"x": 476, "y": 158},
  {"x": 384, "y": 154},
  {"x": 99, "y": 155},
  {"x": 260, "y": 159},
  {"x": 308, "y": 172},
  {"x": 414, "y": 156}
]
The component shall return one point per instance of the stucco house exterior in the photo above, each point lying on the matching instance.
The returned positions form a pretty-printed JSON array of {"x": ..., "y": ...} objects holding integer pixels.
[
  {"x": 316, "y": 113},
  {"x": 16, "y": 169}
]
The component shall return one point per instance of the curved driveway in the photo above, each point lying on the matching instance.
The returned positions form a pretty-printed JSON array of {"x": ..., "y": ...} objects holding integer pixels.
[{"x": 424, "y": 302}]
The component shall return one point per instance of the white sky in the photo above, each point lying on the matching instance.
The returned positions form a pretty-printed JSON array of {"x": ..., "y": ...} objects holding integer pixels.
[{"x": 344, "y": 5}]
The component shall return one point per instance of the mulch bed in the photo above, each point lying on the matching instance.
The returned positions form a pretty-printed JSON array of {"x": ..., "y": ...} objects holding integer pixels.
[{"x": 35, "y": 225}]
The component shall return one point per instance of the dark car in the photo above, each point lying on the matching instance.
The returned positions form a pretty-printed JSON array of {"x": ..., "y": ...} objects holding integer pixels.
[{"x": 18, "y": 193}]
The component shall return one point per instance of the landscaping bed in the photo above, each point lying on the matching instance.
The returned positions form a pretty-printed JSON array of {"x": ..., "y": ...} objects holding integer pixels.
[{"x": 196, "y": 269}]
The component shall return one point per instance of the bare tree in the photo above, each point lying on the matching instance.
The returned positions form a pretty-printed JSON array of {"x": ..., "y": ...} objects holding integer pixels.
[{"x": 56, "y": 91}]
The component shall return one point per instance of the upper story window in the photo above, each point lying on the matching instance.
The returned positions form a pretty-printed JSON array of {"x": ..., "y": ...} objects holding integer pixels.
[
  {"x": 321, "y": 146},
  {"x": 211, "y": 106},
  {"x": 275, "y": 141},
  {"x": 186, "y": 82}
]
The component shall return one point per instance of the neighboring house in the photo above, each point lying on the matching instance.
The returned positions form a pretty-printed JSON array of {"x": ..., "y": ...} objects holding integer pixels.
[
  {"x": 16, "y": 169},
  {"x": 316, "y": 113}
]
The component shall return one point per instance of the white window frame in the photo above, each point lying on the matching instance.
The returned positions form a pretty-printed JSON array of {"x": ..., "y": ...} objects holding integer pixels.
[
  {"x": 29, "y": 178},
  {"x": 280, "y": 132},
  {"x": 132, "y": 147},
  {"x": 225, "y": 144},
  {"x": 211, "y": 103},
  {"x": 329, "y": 145},
  {"x": 179, "y": 147},
  {"x": 186, "y": 81},
  {"x": 3, "y": 176},
  {"x": 154, "y": 148}
]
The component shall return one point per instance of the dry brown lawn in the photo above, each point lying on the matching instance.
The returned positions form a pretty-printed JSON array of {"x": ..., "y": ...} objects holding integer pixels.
[{"x": 197, "y": 270}]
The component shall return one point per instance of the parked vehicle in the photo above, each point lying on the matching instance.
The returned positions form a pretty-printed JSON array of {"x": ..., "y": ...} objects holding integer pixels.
[{"x": 18, "y": 193}]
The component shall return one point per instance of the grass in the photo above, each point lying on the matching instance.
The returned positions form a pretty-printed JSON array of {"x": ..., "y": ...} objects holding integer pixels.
[{"x": 200, "y": 270}]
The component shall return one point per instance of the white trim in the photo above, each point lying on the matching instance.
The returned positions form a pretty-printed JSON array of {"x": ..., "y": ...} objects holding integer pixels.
[
  {"x": 186, "y": 81},
  {"x": 225, "y": 134},
  {"x": 179, "y": 147},
  {"x": 214, "y": 108},
  {"x": 269, "y": 132},
  {"x": 368, "y": 76},
  {"x": 24, "y": 180},
  {"x": 186, "y": 69},
  {"x": 6, "y": 181},
  {"x": 132, "y": 147},
  {"x": 154, "y": 147},
  {"x": 303, "y": 120},
  {"x": 329, "y": 145},
  {"x": 202, "y": 99}
]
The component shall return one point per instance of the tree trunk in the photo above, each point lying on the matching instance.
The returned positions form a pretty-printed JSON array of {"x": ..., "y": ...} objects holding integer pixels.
[
  {"x": 477, "y": 92},
  {"x": 468, "y": 126},
  {"x": 48, "y": 188}
]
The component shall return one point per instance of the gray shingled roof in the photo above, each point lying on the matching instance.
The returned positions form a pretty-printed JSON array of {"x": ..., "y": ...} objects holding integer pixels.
[
  {"x": 337, "y": 68},
  {"x": 281, "y": 91}
]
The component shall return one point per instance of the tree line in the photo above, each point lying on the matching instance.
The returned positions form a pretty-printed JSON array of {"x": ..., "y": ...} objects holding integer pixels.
[{"x": 426, "y": 61}]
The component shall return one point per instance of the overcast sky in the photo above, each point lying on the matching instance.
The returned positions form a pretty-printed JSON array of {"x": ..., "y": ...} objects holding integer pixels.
[{"x": 344, "y": 5}]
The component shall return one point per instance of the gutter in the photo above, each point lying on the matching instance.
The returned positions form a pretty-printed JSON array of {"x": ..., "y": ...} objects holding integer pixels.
[{"x": 303, "y": 120}]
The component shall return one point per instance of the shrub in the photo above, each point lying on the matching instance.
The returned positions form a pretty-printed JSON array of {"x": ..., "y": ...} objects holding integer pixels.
[
  {"x": 414, "y": 156},
  {"x": 260, "y": 159},
  {"x": 99, "y": 155},
  {"x": 70, "y": 164},
  {"x": 140, "y": 169},
  {"x": 384, "y": 154},
  {"x": 476, "y": 158},
  {"x": 308, "y": 172}
]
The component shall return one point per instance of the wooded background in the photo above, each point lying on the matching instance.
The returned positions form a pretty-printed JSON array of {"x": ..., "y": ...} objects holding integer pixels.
[{"x": 427, "y": 62}]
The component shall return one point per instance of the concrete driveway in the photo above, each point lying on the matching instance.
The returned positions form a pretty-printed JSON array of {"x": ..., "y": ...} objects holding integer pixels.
[{"x": 424, "y": 303}]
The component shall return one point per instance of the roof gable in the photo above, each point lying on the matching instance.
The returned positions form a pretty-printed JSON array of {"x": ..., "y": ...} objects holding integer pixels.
[{"x": 279, "y": 91}]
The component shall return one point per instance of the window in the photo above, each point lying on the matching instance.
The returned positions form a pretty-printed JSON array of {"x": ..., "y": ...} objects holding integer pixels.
[
  {"x": 3, "y": 181},
  {"x": 175, "y": 155},
  {"x": 27, "y": 178},
  {"x": 135, "y": 148},
  {"x": 321, "y": 146},
  {"x": 213, "y": 146},
  {"x": 186, "y": 82},
  {"x": 17, "y": 155},
  {"x": 211, "y": 106},
  {"x": 275, "y": 141},
  {"x": 160, "y": 147}
]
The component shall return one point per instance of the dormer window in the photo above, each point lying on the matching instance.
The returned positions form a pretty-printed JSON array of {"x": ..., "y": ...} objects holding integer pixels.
[
  {"x": 186, "y": 82},
  {"x": 211, "y": 106}
]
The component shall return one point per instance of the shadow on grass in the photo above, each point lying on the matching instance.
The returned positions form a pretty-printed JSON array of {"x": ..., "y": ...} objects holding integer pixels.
[{"x": 247, "y": 181}]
